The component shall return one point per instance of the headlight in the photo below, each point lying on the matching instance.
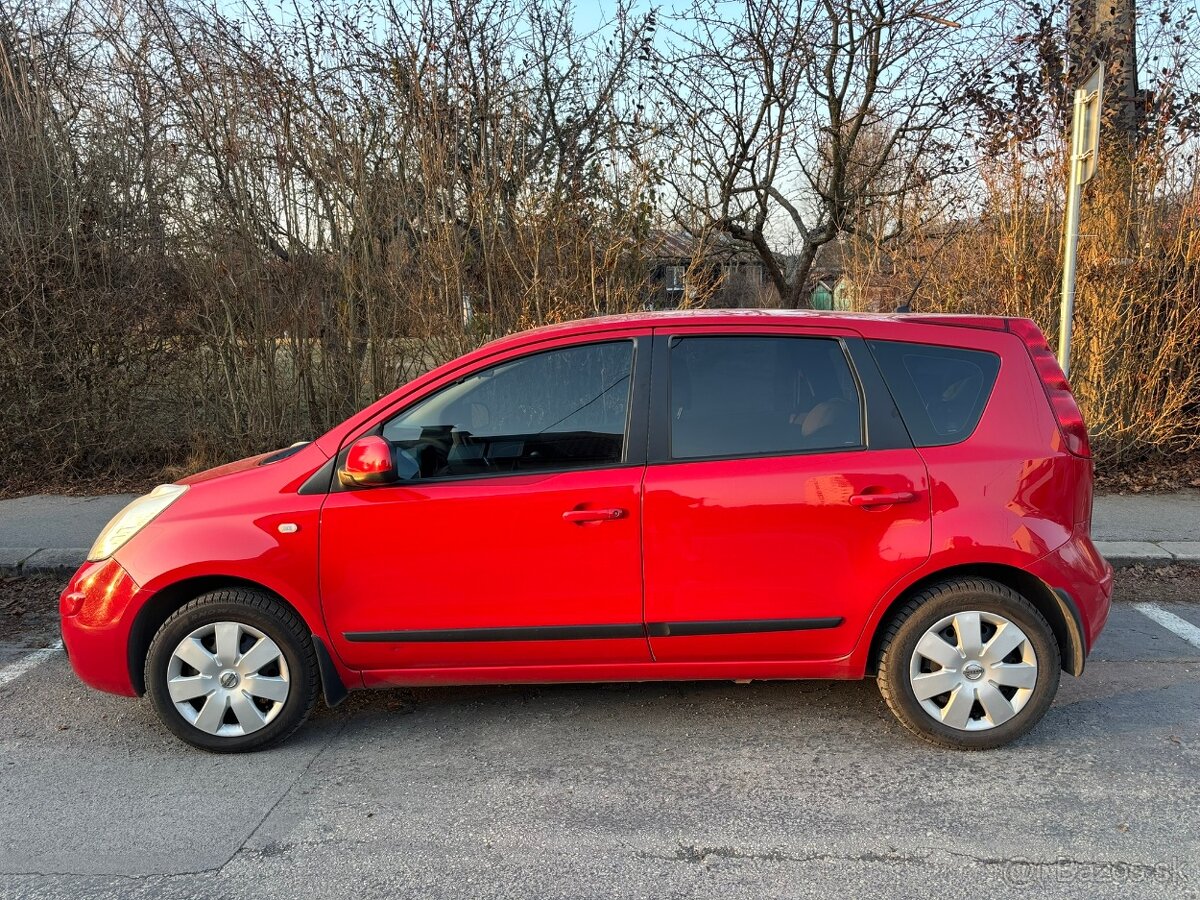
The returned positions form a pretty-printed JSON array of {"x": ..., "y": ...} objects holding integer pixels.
[{"x": 133, "y": 518}]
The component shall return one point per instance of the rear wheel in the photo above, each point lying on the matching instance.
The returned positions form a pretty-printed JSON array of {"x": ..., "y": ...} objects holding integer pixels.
[
  {"x": 233, "y": 670},
  {"x": 969, "y": 664}
]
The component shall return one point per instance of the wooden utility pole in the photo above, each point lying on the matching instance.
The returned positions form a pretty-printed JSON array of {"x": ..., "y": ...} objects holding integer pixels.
[
  {"x": 1105, "y": 31},
  {"x": 1102, "y": 48}
]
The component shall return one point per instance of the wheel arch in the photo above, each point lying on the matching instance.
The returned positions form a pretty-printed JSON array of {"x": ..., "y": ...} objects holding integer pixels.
[
  {"x": 165, "y": 601},
  {"x": 1057, "y": 606}
]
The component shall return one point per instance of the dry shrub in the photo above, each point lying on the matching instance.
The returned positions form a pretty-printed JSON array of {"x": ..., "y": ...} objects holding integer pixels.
[
  {"x": 218, "y": 237},
  {"x": 1135, "y": 362},
  {"x": 992, "y": 242}
]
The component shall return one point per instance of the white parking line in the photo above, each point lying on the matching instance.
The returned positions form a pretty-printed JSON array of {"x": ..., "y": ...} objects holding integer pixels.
[
  {"x": 25, "y": 663},
  {"x": 1168, "y": 620}
]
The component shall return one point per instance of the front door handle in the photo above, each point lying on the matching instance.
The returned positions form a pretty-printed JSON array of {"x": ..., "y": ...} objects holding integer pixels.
[
  {"x": 882, "y": 499},
  {"x": 579, "y": 516}
]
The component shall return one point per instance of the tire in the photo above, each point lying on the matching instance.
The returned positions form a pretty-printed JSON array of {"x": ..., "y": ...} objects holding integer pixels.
[
  {"x": 1001, "y": 696},
  {"x": 218, "y": 685}
]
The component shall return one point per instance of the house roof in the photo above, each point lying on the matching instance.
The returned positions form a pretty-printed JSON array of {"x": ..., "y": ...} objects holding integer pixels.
[
  {"x": 829, "y": 259},
  {"x": 684, "y": 245}
]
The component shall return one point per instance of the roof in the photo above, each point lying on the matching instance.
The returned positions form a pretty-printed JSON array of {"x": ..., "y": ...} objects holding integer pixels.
[
  {"x": 836, "y": 257},
  {"x": 827, "y": 318},
  {"x": 828, "y": 258},
  {"x": 710, "y": 245}
]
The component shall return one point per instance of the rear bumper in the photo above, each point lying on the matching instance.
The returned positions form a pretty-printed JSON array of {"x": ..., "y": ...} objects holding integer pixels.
[
  {"x": 95, "y": 615},
  {"x": 1082, "y": 577}
]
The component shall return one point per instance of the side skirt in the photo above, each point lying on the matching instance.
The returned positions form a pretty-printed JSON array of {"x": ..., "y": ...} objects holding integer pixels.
[{"x": 842, "y": 669}]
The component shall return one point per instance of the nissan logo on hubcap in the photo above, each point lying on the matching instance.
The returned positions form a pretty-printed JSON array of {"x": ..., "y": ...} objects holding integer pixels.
[
  {"x": 229, "y": 680},
  {"x": 973, "y": 671}
]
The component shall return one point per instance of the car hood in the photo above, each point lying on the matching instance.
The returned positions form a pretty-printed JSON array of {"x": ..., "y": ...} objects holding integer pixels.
[{"x": 239, "y": 465}]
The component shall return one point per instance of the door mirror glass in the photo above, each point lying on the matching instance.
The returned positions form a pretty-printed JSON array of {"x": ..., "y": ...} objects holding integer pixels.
[{"x": 369, "y": 461}]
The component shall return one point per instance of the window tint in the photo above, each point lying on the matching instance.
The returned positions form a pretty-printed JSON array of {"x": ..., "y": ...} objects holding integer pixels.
[
  {"x": 941, "y": 391},
  {"x": 756, "y": 396},
  {"x": 561, "y": 409}
]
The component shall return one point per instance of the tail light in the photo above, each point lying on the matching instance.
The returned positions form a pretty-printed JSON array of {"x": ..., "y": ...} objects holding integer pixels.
[{"x": 1058, "y": 389}]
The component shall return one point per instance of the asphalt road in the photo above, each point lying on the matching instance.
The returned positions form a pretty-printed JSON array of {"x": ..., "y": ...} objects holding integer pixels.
[
  {"x": 692, "y": 790},
  {"x": 45, "y": 520}
]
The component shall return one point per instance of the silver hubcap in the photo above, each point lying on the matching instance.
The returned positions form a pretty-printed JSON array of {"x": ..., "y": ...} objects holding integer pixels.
[
  {"x": 228, "y": 679},
  {"x": 973, "y": 670}
]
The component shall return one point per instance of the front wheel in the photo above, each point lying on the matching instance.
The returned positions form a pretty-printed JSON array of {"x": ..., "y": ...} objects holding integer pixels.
[
  {"x": 231, "y": 671},
  {"x": 969, "y": 664}
]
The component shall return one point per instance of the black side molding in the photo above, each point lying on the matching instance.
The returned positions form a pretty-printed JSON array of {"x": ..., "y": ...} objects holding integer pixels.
[
  {"x": 583, "y": 632},
  {"x": 331, "y": 683},
  {"x": 739, "y": 626},
  {"x": 519, "y": 633}
]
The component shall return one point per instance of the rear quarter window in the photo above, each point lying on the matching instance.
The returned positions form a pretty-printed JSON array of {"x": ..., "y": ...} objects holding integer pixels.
[{"x": 941, "y": 391}]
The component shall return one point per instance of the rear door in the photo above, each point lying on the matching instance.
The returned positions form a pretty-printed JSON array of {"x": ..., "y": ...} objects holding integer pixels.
[{"x": 783, "y": 496}]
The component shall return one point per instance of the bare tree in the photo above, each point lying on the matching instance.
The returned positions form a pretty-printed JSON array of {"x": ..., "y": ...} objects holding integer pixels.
[
  {"x": 303, "y": 208},
  {"x": 794, "y": 119}
]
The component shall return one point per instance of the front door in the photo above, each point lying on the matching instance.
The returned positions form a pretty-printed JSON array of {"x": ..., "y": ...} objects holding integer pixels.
[
  {"x": 773, "y": 520},
  {"x": 516, "y": 538}
]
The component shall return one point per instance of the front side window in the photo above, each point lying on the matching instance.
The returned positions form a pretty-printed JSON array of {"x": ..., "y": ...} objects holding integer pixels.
[
  {"x": 561, "y": 409},
  {"x": 760, "y": 396}
]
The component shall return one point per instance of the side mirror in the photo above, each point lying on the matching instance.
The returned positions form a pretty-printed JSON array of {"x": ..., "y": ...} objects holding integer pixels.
[{"x": 369, "y": 461}]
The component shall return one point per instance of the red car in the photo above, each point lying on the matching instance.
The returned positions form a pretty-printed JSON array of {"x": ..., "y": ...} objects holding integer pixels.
[{"x": 697, "y": 495}]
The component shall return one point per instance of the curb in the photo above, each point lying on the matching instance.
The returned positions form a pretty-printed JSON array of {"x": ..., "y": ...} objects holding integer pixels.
[
  {"x": 1122, "y": 554},
  {"x": 41, "y": 561}
]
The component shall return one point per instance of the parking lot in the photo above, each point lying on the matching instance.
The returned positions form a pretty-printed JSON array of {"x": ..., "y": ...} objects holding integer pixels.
[{"x": 651, "y": 790}]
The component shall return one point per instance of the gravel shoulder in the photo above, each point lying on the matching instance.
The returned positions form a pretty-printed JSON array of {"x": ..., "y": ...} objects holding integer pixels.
[{"x": 28, "y": 613}]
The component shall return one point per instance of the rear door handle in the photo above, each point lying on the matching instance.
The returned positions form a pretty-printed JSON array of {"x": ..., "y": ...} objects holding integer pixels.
[
  {"x": 579, "y": 516},
  {"x": 882, "y": 499}
]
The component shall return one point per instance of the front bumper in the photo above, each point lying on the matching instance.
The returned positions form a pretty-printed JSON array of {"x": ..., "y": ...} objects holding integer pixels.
[{"x": 96, "y": 612}]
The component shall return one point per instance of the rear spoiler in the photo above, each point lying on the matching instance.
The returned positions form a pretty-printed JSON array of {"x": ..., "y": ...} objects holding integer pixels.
[{"x": 992, "y": 323}]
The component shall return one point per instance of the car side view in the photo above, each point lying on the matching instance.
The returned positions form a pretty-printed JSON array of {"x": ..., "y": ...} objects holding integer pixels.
[{"x": 739, "y": 495}]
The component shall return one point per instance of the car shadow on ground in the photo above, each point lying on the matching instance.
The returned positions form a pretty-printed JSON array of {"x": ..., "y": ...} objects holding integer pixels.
[{"x": 699, "y": 711}]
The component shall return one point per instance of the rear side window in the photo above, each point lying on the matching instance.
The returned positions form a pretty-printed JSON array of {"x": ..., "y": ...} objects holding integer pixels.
[
  {"x": 941, "y": 391},
  {"x": 761, "y": 396}
]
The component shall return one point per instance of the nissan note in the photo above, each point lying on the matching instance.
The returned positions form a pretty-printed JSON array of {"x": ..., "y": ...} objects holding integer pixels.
[{"x": 696, "y": 495}]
